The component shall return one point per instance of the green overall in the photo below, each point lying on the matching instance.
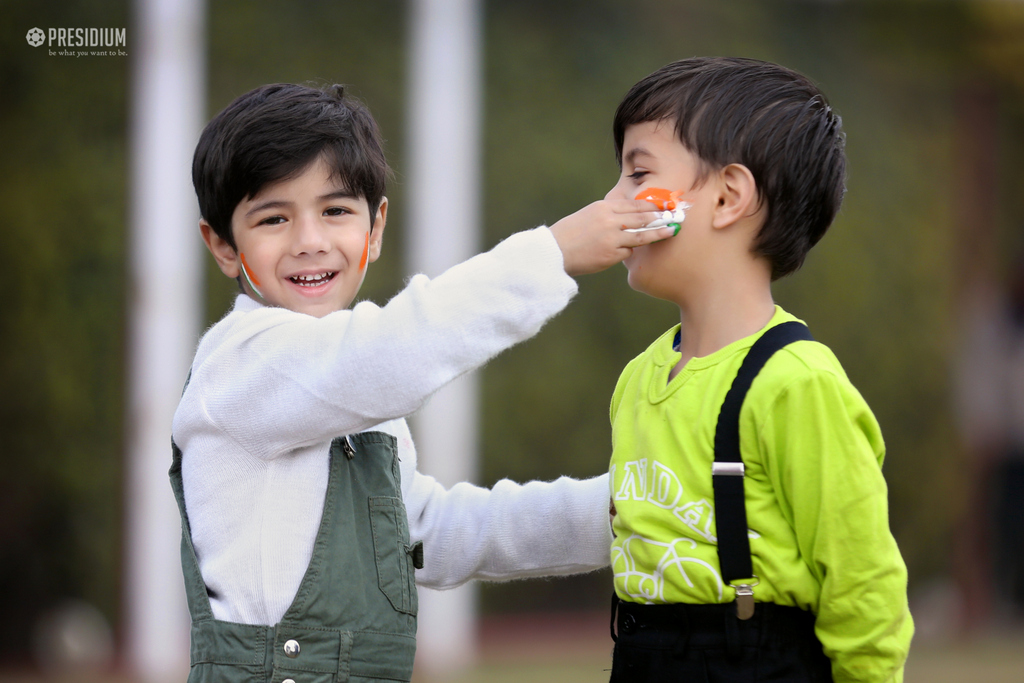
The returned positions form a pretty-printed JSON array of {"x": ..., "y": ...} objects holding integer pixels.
[{"x": 354, "y": 615}]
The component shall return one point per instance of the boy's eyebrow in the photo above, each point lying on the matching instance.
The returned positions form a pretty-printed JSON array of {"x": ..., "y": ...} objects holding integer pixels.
[
  {"x": 282, "y": 203},
  {"x": 338, "y": 194},
  {"x": 272, "y": 204},
  {"x": 634, "y": 153}
]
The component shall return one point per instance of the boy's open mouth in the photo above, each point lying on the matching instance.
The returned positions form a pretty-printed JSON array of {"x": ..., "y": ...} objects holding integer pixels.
[{"x": 315, "y": 280}]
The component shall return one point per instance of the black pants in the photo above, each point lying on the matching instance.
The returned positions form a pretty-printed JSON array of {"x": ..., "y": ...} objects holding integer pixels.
[
  {"x": 708, "y": 644},
  {"x": 1007, "y": 495}
]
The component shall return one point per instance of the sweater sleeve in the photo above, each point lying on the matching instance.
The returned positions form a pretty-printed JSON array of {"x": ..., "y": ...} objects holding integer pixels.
[
  {"x": 510, "y": 531},
  {"x": 275, "y": 380},
  {"x": 823, "y": 451}
]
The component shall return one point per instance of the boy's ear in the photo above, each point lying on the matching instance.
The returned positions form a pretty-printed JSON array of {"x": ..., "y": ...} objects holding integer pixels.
[
  {"x": 737, "y": 196},
  {"x": 223, "y": 253},
  {"x": 377, "y": 231}
]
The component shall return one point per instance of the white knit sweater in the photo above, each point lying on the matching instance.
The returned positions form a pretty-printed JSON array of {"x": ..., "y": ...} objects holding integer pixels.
[{"x": 270, "y": 389}]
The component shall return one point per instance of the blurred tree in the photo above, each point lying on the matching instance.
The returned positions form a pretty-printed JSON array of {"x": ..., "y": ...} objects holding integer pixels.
[{"x": 62, "y": 122}]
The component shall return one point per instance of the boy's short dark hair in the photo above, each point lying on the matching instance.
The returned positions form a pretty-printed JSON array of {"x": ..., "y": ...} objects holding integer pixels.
[
  {"x": 772, "y": 120},
  {"x": 274, "y": 133}
]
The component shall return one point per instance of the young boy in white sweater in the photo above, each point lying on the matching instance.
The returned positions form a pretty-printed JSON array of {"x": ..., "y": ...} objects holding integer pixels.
[{"x": 306, "y": 524}]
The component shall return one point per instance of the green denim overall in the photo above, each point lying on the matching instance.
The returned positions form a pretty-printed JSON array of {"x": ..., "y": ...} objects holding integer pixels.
[{"x": 354, "y": 615}]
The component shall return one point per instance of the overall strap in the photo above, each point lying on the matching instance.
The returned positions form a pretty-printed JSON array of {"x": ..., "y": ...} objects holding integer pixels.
[{"x": 727, "y": 471}]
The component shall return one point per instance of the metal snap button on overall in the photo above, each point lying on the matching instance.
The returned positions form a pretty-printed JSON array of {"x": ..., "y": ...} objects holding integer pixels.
[
  {"x": 628, "y": 623},
  {"x": 291, "y": 648}
]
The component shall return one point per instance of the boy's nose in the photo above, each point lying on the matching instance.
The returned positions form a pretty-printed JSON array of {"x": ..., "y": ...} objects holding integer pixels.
[
  {"x": 310, "y": 236},
  {"x": 615, "y": 193}
]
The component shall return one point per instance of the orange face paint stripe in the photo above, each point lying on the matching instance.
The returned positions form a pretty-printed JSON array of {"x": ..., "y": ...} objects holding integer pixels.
[
  {"x": 664, "y": 199},
  {"x": 248, "y": 272},
  {"x": 250, "y": 277},
  {"x": 366, "y": 252}
]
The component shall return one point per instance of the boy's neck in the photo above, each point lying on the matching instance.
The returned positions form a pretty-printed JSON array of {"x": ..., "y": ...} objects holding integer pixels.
[{"x": 729, "y": 310}]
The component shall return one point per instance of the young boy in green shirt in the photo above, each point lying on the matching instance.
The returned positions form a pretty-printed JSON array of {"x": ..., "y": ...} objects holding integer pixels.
[{"x": 757, "y": 153}]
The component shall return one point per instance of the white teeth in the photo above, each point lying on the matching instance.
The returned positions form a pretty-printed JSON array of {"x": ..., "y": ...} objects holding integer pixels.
[{"x": 311, "y": 280}]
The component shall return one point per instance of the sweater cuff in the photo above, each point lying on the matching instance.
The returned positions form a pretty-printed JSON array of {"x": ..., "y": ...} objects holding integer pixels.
[
  {"x": 538, "y": 251},
  {"x": 596, "y": 496}
]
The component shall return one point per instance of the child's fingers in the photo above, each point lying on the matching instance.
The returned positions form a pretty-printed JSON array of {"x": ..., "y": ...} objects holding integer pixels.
[
  {"x": 644, "y": 237},
  {"x": 631, "y": 206},
  {"x": 604, "y": 233},
  {"x": 638, "y": 221}
]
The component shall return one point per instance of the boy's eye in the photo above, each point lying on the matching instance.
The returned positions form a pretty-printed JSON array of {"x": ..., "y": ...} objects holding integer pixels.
[
  {"x": 336, "y": 211},
  {"x": 637, "y": 175},
  {"x": 272, "y": 220}
]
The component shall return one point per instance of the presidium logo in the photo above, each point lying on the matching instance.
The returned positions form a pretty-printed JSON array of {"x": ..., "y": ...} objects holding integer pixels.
[
  {"x": 99, "y": 40},
  {"x": 35, "y": 37}
]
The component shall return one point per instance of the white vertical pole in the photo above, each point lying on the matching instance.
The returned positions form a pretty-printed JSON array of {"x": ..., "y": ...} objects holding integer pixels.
[
  {"x": 443, "y": 223},
  {"x": 167, "y": 101}
]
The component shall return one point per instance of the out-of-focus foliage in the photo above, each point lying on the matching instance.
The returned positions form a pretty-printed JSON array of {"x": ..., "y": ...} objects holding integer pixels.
[
  {"x": 62, "y": 186},
  {"x": 879, "y": 289}
]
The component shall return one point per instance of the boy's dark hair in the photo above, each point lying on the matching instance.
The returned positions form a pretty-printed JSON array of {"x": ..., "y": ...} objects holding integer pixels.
[
  {"x": 772, "y": 120},
  {"x": 274, "y": 133}
]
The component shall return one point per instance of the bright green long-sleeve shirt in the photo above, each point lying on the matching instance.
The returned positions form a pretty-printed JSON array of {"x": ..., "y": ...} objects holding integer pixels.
[{"x": 815, "y": 497}]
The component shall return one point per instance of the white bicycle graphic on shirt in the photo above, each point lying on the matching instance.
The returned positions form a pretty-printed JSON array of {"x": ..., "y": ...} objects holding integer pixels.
[{"x": 650, "y": 587}]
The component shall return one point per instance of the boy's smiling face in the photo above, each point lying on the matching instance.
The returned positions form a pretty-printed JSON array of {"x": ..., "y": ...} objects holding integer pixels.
[
  {"x": 306, "y": 242},
  {"x": 653, "y": 156}
]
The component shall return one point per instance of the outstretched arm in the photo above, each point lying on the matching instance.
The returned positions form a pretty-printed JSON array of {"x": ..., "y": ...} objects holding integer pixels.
[
  {"x": 509, "y": 531},
  {"x": 274, "y": 380}
]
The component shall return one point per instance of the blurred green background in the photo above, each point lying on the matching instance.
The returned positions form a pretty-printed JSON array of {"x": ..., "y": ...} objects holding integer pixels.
[{"x": 932, "y": 98}]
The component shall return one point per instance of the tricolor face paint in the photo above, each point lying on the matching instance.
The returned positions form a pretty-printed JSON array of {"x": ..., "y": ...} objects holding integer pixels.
[
  {"x": 667, "y": 201},
  {"x": 250, "y": 277},
  {"x": 654, "y": 159},
  {"x": 657, "y": 167}
]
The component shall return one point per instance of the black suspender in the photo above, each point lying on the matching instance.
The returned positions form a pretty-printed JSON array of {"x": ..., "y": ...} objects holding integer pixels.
[{"x": 727, "y": 471}]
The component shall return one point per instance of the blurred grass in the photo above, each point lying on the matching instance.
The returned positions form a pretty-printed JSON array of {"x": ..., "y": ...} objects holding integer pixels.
[
  {"x": 996, "y": 659},
  {"x": 578, "y": 650}
]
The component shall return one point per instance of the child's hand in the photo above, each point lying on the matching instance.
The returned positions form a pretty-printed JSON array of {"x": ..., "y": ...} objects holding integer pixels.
[{"x": 595, "y": 237}]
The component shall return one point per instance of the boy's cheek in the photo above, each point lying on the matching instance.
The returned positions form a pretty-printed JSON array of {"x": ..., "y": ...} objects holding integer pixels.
[{"x": 644, "y": 266}]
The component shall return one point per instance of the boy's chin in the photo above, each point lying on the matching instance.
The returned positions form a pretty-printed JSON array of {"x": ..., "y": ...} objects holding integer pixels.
[
  {"x": 638, "y": 283},
  {"x": 636, "y": 280},
  {"x": 311, "y": 308}
]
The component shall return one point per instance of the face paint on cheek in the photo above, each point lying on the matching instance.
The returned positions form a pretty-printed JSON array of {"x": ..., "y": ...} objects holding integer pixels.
[
  {"x": 366, "y": 253},
  {"x": 673, "y": 210},
  {"x": 250, "y": 277},
  {"x": 665, "y": 200}
]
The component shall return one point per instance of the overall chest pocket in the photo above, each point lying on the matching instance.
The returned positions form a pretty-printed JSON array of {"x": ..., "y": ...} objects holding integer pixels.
[{"x": 395, "y": 558}]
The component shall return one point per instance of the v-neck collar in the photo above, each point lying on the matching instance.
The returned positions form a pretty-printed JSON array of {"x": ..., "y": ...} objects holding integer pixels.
[{"x": 666, "y": 355}]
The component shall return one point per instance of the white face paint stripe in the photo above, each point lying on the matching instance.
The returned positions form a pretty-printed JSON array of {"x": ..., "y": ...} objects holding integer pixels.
[{"x": 668, "y": 218}]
